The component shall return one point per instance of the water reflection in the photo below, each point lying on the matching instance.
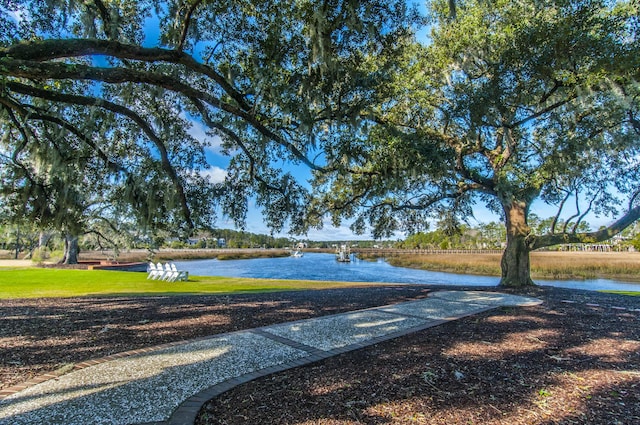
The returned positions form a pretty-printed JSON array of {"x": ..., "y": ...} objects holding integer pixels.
[{"x": 325, "y": 267}]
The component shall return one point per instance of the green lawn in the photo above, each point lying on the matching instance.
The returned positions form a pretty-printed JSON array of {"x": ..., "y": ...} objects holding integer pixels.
[{"x": 32, "y": 282}]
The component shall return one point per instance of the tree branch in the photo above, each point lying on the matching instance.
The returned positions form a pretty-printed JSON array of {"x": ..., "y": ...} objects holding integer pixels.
[
  {"x": 575, "y": 226},
  {"x": 452, "y": 10},
  {"x": 566, "y": 223},
  {"x": 37, "y": 70},
  {"x": 278, "y": 139},
  {"x": 9, "y": 106},
  {"x": 187, "y": 23},
  {"x": 110, "y": 30},
  {"x": 21, "y": 146},
  {"x": 556, "y": 86},
  {"x": 552, "y": 228},
  {"x": 541, "y": 112},
  {"x": 81, "y": 136},
  {"x": 536, "y": 242},
  {"x": 479, "y": 182},
  {"x": 47, "y": 50},
  {"x": 238, "y": 141},
  {"x": 348, "y": 202}
]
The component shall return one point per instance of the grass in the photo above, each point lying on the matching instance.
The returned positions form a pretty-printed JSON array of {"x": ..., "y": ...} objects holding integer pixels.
[
  {"x": 544, "y": 265},
  {"x": 32, "y": 282},
  {"x": 627, "y": 293},
  {"x": 479, "y": 264}
]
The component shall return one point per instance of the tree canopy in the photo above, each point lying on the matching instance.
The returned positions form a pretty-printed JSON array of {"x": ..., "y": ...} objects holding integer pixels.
[
  {"x": 508, "y": 102},
  {"x": 97, "y": 98}
]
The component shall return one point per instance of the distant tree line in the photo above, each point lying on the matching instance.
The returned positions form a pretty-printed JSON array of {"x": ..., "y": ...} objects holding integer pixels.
[
  {"x": 493, "y": 235},
  {"x": 227, "y": 238}
]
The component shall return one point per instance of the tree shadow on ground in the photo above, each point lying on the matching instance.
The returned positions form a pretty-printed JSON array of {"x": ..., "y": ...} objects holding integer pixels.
[
  {"x": 556, "y": 363},
  {"x": 42, "y": 335}
]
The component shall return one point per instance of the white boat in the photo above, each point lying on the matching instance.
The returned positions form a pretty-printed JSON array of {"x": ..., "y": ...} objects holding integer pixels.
[
  {"x": 343, "y": 254},
  {"x": 297, "y": 254}
]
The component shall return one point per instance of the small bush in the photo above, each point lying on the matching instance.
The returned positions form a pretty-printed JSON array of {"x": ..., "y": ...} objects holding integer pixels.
[
  {"x": 56, "y": 256},
  {"x": 39, "y": 255}
]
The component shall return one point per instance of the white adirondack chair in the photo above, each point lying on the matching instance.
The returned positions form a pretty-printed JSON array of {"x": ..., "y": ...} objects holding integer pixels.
[
  {"x": 162, "y": 273},
  {"x": 155, "y": 271},
  {"x": 151, "y": 269},
  {"x": 169, "y": 275},
  {"x": 179, "y": 274}
]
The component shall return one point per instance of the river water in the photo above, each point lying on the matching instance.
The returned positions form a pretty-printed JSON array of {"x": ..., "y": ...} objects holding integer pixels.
[{"x": 316, "y": 266}]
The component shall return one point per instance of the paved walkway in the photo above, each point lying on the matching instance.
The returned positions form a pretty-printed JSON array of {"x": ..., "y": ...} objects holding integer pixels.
[{"x": 167, "y": 385}]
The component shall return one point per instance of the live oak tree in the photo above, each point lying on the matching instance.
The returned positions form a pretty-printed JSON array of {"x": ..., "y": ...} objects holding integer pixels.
[
  {"x": 508, "y": 102},
  {"x": 97, "y": 97}
]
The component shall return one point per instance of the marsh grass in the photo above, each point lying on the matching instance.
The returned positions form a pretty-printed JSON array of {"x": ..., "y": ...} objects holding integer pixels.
[
  {"x": 544, "y": 265},
  {"x": 586, "y": 265},
  {"x": 627, "y": 293},
  {"x": 253, "y": 255},
  {"x": 480, "y": 264}
]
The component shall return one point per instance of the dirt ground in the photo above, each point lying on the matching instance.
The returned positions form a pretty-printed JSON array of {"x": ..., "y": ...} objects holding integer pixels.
[{"x": 573, "y": 360}]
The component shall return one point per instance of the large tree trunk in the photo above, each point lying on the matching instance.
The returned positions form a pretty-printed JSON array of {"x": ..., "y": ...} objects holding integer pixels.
[
  {"x": 18, "y": 244},
  {"x": 71, "y": 249},
  {"x": 516, "y": 268}
]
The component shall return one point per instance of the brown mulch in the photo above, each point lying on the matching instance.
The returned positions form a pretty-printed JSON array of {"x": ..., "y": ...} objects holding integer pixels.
[{"x": 558, "y": 363}]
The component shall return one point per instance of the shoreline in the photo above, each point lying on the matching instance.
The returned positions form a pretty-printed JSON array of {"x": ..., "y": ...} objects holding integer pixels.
[{"x": 545, "y": 265}]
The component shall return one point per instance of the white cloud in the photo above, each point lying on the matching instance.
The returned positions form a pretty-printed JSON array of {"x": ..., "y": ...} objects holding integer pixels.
[
  {"x": 214, "y": 174},
  {"x": 199, "y": 132}
]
